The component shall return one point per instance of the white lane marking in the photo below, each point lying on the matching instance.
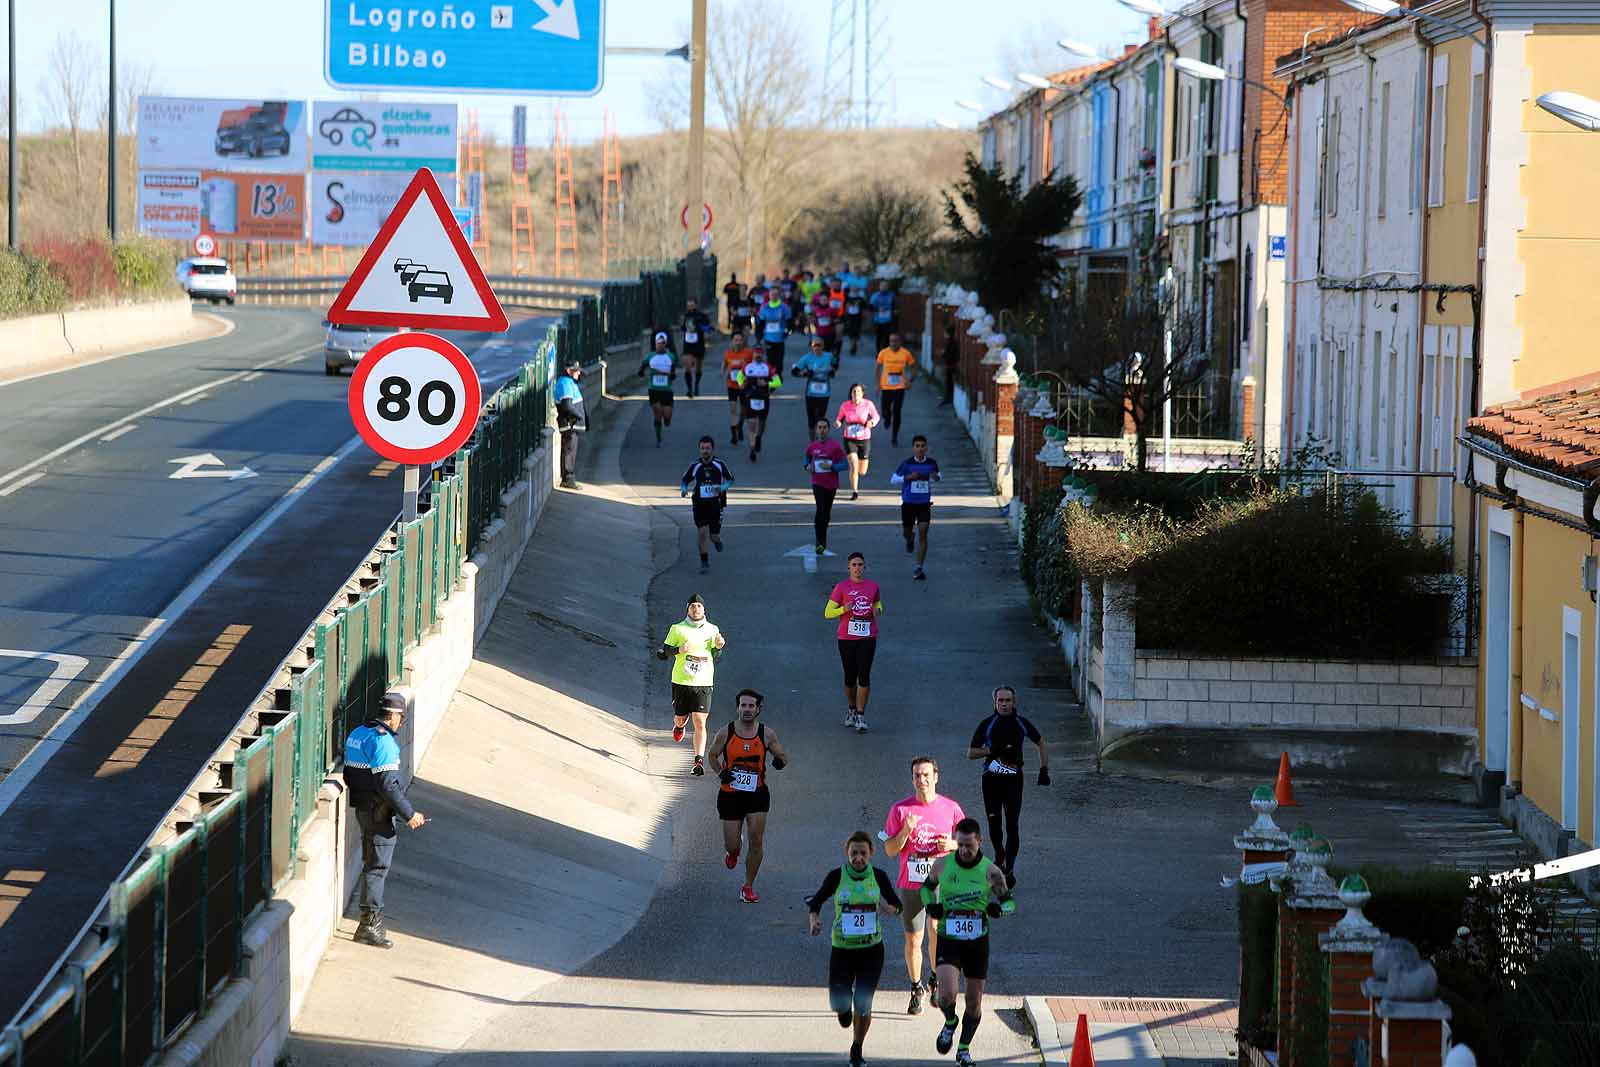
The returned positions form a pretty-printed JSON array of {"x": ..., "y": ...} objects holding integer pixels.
[
  {"x": 192, "y": 400},
  {"x": 114, "y": 434},
  {"x": 230, "y": 325},
  {"x": 176, "y": 398},
  {"x": 14, "y": 486},
  {"x": 252, "y": 376},
  {"x": 67, "y": 668},
  {"x": 192, "y": 464},
  {"x": 55, "y": 739}
]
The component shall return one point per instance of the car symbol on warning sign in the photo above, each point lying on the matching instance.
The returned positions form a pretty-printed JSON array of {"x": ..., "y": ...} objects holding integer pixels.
[{"x": 429, "y": 283}]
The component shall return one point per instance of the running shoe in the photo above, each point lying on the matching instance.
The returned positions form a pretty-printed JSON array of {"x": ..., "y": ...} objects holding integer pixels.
[
  {"x": 919, "y": 575},
  {"x": 915, "y": 1007},
  {"x": 946, "y": 1038},
  {"x": 1011, "y": 879},
  {"x": 849, "y": 718},
  {"x": 964, "y": 1059},
  {"x": 716, "y": 542},
  {"x": 822, "y": 550},
  {"x": 677, "y": 732},
  {"x": 705, "y": 568},
  {"x": 752, "y": 455},
  {"x": 854, "y": 495},
  {"x": 861, "y": 723},
  {"x": 747, "y": 893},
  {"x": 931, "y": 982},
  {"x": 699, "y": 767},
  {"x": 730, "y": 860},
  {"x": 856, "y": 1059}
]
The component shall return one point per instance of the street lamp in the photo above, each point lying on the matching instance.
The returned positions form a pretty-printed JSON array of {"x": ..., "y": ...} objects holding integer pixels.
[
  {"x": 998, "y": 83},
  {"x": 1575, "y": 108},
  {"x": 1212, "y": 73},
  {"x": 1391, "y": 7},
  {"x": 1035, "y": 81},
  {"x": 1077, "y": 48},
  {"x": 971, "y": 105},
  {"x": 1149, "y": 7}
]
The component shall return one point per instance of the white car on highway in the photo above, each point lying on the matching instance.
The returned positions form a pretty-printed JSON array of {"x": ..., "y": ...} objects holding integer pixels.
[
  {"x": 346, "y": 345},
  {"x": 208, "y": 278}
]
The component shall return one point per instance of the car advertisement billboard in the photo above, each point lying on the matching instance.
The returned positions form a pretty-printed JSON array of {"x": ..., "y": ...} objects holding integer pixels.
[
  {"x": 349, "y": 209},
  {"x": 364, "y": 135},
  {"x": 254, "y": 135},
  {"x": 169, "y": 204}
]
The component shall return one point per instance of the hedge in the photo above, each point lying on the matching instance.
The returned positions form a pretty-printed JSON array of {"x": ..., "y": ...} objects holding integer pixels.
[{"x": 55, "y": 272}]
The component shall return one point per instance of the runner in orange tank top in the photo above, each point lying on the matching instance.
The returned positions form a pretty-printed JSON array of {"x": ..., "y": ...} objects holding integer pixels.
[{"x": 739, "y": 754}]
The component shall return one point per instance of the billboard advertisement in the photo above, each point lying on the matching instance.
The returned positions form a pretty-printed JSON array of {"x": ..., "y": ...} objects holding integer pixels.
[
  {"x": 258, "y": 135},
  {"x": 169, "y": 204},
  {"x": 348, "y": 209},
  {"x": 364, "y": 135}
]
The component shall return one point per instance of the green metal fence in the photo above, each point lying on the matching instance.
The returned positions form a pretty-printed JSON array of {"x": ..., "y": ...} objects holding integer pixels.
[{"x": 178, "y": 919}]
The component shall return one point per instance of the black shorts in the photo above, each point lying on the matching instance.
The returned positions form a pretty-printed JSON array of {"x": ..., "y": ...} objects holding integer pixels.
[
  {"x": 853, "y": 975},
  {"x": 661, "y": 396},
  {"x": 735, "y": 394},
  {"x": 971, "y": 958},
  {"x": 856, "y": 654},
  {"x": 708, "y": 512},
  {"x": 857, "y": 447},
  {"x": 691, "y": 698},
  {"x": 691, "y": 353},
  {"x": 773, "y": 350},
  {"x": 766, "y": 407},
  {"x": 733, "y": 806},
  {"x": 915, "y": 513}
]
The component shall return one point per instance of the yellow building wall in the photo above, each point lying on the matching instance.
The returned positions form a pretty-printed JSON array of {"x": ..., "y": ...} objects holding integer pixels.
[
  {"x": 1550, "y": 556},
  {"x": 1560, "y": 246},
  {"x": 1452, "y": 230}
]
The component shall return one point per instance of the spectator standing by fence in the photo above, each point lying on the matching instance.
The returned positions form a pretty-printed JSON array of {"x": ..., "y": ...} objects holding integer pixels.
[
  {"x": 572, "y": 420},
  {"x": 372, "y": 777}
]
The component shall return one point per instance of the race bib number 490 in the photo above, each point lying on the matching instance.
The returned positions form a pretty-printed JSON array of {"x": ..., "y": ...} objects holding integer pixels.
[{"x": 918, "y": 868}]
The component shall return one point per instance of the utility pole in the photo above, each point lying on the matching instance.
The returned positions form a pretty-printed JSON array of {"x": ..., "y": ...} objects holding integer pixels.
[
  {"x": 11, "y": 125},
  {"x": 697, "y": 144},
  {"x": 111, "y": 128}
]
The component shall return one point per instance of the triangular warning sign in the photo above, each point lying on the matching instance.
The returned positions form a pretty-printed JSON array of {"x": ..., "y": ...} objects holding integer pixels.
[{"x": 419, "y": 271}]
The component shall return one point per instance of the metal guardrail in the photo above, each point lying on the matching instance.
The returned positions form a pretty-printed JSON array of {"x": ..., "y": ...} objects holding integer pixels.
[{"x": 174, "y": 934}]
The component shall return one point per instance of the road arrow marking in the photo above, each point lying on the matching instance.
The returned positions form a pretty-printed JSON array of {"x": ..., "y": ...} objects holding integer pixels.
[
  {"x": 67, "y": 668},
  {"x": 808, "y": 556},
  {"x": 192, "y": 464},
  {"x": 561, "y": 18}
]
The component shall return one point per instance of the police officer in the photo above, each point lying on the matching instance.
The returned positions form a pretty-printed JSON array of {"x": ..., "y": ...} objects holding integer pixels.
[
  {"x": 571, "y": 420},
  {"x": 372, "y": 778}
]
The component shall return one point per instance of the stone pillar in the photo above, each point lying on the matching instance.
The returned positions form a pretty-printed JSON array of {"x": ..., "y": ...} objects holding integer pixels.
[
  {"x": 1264, "y": 847},
  {"x": 1349, "y": 946},
  {"x": 1118, "y": 642},
  {"x": 1247, "y": 412},
  {"x": 1308, "y": 907},
  {"x": 1005, "y": 420}
]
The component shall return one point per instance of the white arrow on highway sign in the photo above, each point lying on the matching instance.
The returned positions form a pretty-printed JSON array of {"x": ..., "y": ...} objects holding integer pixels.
[
  {"x": 561, "y": 18},
  {"x": 191, "y": 468}
]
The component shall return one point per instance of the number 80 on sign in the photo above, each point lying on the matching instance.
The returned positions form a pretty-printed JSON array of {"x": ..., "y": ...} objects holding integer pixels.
[{"x": 415, "y": 398}]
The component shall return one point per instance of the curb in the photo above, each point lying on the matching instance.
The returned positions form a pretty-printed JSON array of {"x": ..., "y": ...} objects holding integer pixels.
[{"x": 1045, "y": 1032}]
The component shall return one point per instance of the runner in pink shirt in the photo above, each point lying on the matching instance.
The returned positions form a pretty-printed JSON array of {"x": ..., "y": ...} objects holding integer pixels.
[
  {"x": 858, "y": 416},
  {"x": 856, "y": 602},
  {"x": 919, "y": 830},
  {"x": 824, "y": 459}
]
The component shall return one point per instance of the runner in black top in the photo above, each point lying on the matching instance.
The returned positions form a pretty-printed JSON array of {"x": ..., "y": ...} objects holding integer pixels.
[
  {"x": 695, "y": 327},
  {"x": 707, "y": 480},
  {"x": 998, "y": 742}
]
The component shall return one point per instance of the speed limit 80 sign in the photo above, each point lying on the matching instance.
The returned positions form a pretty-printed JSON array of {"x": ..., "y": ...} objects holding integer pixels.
[{"x": 415, "y": 398}]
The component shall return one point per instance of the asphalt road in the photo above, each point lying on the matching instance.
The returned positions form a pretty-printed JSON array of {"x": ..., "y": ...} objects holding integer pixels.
[{"x": 103, "y": 556}]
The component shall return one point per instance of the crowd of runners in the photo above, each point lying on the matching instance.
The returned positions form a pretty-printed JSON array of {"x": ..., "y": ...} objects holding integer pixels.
[{"x": 945, "y": 892}]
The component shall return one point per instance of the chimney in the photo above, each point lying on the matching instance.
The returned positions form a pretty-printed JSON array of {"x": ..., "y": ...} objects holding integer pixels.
[{"x": 1155, "y": 27}]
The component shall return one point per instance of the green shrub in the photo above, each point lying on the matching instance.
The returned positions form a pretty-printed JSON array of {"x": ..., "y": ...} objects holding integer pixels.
[
  {"x": 27, "y": 287},
  {"x": 143, "y": 266}
]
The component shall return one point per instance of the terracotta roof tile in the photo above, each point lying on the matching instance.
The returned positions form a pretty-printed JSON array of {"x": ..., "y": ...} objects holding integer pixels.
[{"x": 1559, "y": 433}]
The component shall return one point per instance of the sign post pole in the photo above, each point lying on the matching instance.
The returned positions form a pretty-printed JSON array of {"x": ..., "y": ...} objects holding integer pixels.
[
  {"x": 697, "y": 137},
  {"x": 413, "y": 484}
]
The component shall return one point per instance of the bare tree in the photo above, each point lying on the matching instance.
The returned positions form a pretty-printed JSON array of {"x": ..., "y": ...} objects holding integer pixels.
[
  {"x": 1034, "y": 51},
  {"x": 883, "y": 223},
  {"x": 70, "y": 88},
  {"x": 1134, "y": 345}
]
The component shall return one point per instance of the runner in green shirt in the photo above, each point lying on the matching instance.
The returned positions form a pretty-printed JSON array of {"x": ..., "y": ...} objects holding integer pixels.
[
  {"x": 694, "y": 643},
  {"x": 962, "y": 893},
  {"x": 859, "y": 892}
]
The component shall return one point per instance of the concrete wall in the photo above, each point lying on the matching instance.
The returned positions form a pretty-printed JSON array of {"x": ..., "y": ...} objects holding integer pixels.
[
  {"x": 38, "y": 339},
  {"x": 249, "y": 1021}
]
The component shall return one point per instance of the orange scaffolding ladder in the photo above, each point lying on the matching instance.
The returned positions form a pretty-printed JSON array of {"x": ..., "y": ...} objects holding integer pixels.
[
  {"x": 566, "y": 206},
  {"x": 522, "y": 240},
  {"x": 610, "y": 197}
]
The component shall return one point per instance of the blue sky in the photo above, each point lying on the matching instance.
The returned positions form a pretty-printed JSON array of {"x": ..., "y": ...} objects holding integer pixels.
[{"x": 273, "y": 48}]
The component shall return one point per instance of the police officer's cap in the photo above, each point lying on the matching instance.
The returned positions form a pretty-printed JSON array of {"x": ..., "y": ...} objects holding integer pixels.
[{"x": 392, "y": 701}]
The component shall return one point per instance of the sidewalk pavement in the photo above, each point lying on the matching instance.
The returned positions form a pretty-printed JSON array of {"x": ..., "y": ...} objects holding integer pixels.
[{"x": 1138, "y": 1032}]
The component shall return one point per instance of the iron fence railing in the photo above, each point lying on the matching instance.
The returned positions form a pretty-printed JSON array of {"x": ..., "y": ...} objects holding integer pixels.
[{"x": 177, "y": 920}]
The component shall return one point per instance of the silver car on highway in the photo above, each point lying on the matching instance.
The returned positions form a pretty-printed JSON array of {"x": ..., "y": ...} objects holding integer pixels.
[{"x": 346, "y": 345}]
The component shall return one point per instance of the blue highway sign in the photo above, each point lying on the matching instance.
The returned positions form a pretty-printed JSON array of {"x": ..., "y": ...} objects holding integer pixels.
[{"x": 533, "y": 47}]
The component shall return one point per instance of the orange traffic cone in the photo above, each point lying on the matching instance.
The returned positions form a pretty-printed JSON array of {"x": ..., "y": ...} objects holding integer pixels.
[
  {"x": 1082, "y": 1048},
  {"x": 1284, "y": 790}
]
